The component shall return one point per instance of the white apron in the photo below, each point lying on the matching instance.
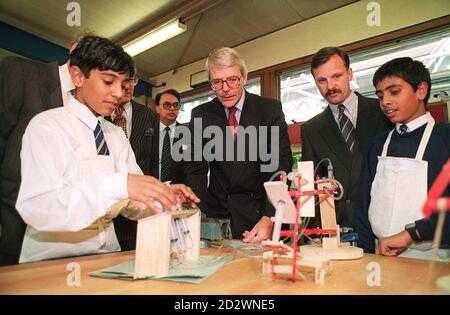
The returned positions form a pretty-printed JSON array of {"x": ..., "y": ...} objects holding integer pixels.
[
  {"x": 398, "y": 193},
  {"x": 99, "y": 237}
]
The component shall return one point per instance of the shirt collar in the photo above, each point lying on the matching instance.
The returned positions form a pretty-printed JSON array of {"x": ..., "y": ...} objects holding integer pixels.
[
  {"x": 127, "y": 110},
  {"x": 65, "y": 79},
  {"x": 350, "y": 103},
  {"x": 414, "y": 124},
  {"x": 162, "y": 126},
  {"x": 240, "y": 104},
  {"x": 83, "y": 113}
]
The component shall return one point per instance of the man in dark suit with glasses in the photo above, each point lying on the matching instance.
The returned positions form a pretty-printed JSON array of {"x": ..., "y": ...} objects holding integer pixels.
[{"x": 235, "y": 188}]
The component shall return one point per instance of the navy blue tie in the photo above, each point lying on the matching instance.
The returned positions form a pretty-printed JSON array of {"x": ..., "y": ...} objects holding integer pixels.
[
  {"x": 100, "y": 143},
  {"x": 403, "y": 129},
  {"x": 165, "y": 156}
]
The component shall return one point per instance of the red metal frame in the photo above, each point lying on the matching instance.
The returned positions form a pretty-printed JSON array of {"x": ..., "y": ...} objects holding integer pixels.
[
  {"x": 436, "y": 190},
  {"x": 294, "y": 233}
]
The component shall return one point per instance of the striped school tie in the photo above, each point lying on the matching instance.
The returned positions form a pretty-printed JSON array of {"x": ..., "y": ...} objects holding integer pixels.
[
  {"x": 403, "y": 129},
  {"x": 347, "y": 129},
  {"x": 100, "y": 143}
]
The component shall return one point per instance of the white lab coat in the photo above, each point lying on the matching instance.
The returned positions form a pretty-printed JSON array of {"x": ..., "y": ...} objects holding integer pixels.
[{"x": 66, "y": 187}]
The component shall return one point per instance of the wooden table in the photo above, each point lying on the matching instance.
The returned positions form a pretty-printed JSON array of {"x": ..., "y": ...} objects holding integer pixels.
[{"x": 242, "y": 276}]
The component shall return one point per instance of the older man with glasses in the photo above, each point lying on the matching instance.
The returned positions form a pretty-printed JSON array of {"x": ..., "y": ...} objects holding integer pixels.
[{"x": 236, "y": 178}]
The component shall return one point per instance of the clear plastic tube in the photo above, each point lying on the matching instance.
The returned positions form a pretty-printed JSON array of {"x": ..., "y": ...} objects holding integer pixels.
[
  {"x": 174, "y": 237},
  {"x": 186, "y": 233}
]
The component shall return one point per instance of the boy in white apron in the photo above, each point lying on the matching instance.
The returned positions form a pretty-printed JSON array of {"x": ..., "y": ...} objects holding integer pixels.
[
  {"x": 402, "y": 165},
  {"x": 75, "y": 164}
]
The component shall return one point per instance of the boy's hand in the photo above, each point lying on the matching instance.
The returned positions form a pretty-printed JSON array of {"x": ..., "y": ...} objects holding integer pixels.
[
  {"x": 395, "y": 244},
  {"x": 184, "y": 194},
  {"x": 149, "y": 190}
]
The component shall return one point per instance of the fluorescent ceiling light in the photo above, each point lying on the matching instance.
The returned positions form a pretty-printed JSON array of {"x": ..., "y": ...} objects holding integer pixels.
[{"x": 155, "y": 37}]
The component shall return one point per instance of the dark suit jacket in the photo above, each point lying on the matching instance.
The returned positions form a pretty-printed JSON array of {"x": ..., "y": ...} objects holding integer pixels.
[
  {"x": 144, "y": 137},
  {"x": 26, "y": 89},
  {"x": 176, "y": 168},
  {"x": 321, "y": 138},
  {"x": 143, "y": 140},
  {"x": 236, "y": 187}
]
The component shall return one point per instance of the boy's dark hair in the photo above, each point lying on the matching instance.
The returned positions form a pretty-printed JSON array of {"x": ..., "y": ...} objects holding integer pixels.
[
  {"x": 412, "y": 71},
  {"x": 95, "y": 52},
  {"x": 169, "y": 91},
  {"x": 324, "y": 54}
]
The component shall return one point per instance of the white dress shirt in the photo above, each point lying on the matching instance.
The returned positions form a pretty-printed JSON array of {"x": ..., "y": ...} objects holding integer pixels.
[{"x": 66, "y": 187}]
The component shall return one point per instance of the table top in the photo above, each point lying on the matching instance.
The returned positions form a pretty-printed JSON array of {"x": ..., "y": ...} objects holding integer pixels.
[{"x": 242, "y": 276}]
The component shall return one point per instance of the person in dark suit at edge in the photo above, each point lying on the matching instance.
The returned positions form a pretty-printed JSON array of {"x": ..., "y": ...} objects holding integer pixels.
[
  {"x": 140, "y": 125},
  {"x": 27, "y": 88},
  {"x": 235, "y": 187},
  {"x": 343, "y": 131},
  {"x": 167, "y": 105}
]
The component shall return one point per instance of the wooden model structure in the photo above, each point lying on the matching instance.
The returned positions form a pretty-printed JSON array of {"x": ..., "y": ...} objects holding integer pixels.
[
  {"x": 153, "y": 244},
  {"x": 316, "y": 256}
]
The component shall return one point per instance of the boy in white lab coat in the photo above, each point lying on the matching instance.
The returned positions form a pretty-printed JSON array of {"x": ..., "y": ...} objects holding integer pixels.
[
  {"x": 75, "y": 164},
  {"x": 402, "y": 165}
]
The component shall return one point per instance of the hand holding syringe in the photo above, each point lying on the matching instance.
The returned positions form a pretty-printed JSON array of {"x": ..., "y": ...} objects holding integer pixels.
[{"x": 158, "y": 196}]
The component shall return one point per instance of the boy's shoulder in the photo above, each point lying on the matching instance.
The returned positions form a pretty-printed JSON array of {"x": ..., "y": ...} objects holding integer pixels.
[
  {"x": 378, "y": 142},
  {"x": 442, "y": 130},
  {"x": 49, "y": 116},
  {"x": 442, "y": 126}
]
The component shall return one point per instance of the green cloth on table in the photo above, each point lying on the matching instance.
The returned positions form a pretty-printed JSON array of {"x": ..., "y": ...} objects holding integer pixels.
[
  {"x": 192, "y": 272},
  {"x": 238, "y": 244}
]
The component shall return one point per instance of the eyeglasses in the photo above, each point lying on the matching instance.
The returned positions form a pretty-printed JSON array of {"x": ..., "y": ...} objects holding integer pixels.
[
  {"x": 168, "y": 105},
  {"x": 232, "y": 82}
]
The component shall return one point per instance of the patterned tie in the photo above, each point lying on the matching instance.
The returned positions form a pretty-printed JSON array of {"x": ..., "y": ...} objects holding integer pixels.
[
  {"x": 403, "y": 129},
  {"x": 165, "y": 156},
  {"x": 120, "y": 120},
  {"x": 102, "y": 147},
  {"x": 347, "y": 129},
  {"x": 232, "y": 121}
]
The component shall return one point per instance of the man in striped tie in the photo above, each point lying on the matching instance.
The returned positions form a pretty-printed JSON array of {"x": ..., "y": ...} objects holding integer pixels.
[
  {"x": 75, "y": 164},
  {"x": 343, "y": 131}
]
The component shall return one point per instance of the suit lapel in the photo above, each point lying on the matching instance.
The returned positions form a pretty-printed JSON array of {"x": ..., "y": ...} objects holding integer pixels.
[
  {"x": 249, "y": 117},
  {"x": 137, "y": 124},
  {"x": 333, "y": 138},
  {"x": 51, "y": 87},
  {"x": 249, "y": 114},
  {"x": 219, "y": 113},
  {"x": 219, "y": 118}
]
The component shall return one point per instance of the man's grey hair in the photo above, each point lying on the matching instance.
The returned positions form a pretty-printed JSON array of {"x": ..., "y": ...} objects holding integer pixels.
[{"x": 225, "y": 57}]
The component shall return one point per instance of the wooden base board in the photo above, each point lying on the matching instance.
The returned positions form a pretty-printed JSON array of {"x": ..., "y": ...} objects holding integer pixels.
[
  {"x": 341, "y": 253},
  {"x": 443, "y": 283}
]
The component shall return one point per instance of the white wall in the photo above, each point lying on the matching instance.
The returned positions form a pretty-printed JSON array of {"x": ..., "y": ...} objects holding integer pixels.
[{"x": 337, "y": 28}]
